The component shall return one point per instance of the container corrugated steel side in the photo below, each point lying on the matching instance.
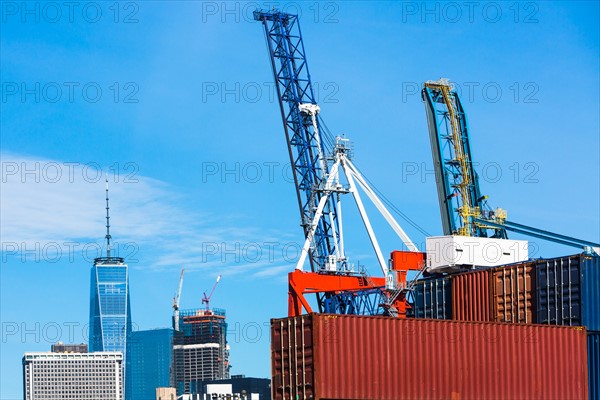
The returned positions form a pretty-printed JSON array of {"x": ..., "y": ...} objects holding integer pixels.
[
  {"x": 512, "y": 294},
  {"x": 471, "y": 296},
  {"x": 594, "y": 365},
  {"x": 324, "y": 356},
  {"x": 590, "y": 293},
  {"x": 568, "y": 291},
  {"x": 432, "y": 298}
]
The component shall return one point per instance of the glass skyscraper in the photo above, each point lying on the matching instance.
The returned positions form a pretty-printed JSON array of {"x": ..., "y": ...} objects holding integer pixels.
[
  {"x": 149, "y": 363},
  {"x": 110, "y": 311}
]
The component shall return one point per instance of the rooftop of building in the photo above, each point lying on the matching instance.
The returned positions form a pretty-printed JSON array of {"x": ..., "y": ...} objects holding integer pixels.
[
  {"x": 201, "y": 312},
  {"x": 69, "y": 348},
  {"x": 98, "y": 355},
  {"x": 109, "y": 261}
]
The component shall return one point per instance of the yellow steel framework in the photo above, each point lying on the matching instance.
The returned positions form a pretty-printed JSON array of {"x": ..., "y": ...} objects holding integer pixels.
[{"x": 465, "y": 210}]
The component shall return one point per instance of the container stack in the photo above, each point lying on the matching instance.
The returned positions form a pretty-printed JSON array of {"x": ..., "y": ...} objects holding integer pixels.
[
  {"x": 326, "y": 356},
  {"x": 529, "y": 330},
  {"x": 558, "y": 291}
]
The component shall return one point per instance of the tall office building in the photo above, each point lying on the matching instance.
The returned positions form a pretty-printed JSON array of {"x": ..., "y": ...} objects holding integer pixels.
[
  {"x": 67, "y": 375},
  {"x": 200, "y": 349},
  {"x": 110, "y": 311},
  {"x": 149, "y": 362}
]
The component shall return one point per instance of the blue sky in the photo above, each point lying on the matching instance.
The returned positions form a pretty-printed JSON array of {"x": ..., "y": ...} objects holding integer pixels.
[{"x": 174, "y": 101}]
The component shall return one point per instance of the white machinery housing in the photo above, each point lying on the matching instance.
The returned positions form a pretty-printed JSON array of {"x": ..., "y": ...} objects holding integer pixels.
[{"x": 447, "y": 253}]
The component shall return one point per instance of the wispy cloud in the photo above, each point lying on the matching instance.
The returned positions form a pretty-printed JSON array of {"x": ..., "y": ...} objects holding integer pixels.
[{"x": 49, "y": 201}]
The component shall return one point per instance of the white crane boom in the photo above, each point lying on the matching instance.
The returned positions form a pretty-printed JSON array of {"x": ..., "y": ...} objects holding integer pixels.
[
  {"x": 178, "y": 294},
  {"x": 206, "y": 299},
  {"x": 176, "y": 300}
]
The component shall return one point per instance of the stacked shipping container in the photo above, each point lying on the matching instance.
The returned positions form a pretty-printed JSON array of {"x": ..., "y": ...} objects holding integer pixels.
[
  {"x": 558, "y": 291},
  {"x": 568, "y": 291},
  {"x": 323, "y": 356},
  {"x": 594, "y": 364},
  {"x": 488, "y": 347},
  {"x": 432, "y": 299},
  {"x": 511, "y": 297},
  {"x": 470, "y": 296}
]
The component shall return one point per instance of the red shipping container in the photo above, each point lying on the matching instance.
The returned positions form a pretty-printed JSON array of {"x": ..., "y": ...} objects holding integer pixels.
[
  {"x": 471, "y": 296},
  {"x": 324, "y": 356},
  {"x": 512, "y": 293},
  {"x": 503, "y": 294}
]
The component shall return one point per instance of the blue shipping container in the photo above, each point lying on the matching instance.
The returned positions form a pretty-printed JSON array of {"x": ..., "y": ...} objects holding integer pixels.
[
  {"x": 568, "y": 291},
  {"x": 590, "y": 293},
  {"x": 594, "y": 365},
  {"x": 432, "y": 298}
]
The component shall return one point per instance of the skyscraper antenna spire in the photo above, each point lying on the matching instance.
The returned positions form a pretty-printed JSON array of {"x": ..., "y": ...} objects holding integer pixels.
[{"x": 107, "y": 222}]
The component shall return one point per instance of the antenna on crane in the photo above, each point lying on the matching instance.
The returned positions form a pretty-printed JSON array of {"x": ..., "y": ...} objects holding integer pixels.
[
  {"x": 176, "y": 300},
  {"x": 206, "y": 299},
  {"x": 108, "y": 237}
]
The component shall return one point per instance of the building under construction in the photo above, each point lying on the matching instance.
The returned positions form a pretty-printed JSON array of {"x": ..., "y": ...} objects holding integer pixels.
[{"x": 200, "y": 350}]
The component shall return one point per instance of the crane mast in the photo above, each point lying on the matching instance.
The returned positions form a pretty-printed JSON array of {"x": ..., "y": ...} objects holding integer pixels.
[{"x": 459, "y": 195}]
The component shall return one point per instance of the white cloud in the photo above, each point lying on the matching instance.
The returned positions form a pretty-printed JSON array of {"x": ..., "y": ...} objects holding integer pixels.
[{"x": 44, "y": 206}]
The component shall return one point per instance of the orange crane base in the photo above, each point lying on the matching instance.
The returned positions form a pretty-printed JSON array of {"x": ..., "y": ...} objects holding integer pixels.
[{"x": 301, "y": 283}]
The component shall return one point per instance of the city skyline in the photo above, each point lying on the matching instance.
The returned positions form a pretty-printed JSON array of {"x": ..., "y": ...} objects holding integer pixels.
[{"x": 197, "y": 162}]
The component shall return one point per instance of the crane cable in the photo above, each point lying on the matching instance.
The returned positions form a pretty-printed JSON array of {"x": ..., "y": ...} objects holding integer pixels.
[{"x": 328, "y": 139}]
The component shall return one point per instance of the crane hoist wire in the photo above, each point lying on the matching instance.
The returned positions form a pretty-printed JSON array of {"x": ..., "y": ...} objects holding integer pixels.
[
  {"x": 329, "y": 144},
  {"x": 393, "y": 207}
]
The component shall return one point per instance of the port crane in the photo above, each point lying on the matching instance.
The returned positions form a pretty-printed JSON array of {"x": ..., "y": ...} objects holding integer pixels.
[
  {"x": 206, "y": 299},
  {"x": 323, "y": 173},
  {"x": 176, "y": 300},
  {"x": 464, "y": 210}
]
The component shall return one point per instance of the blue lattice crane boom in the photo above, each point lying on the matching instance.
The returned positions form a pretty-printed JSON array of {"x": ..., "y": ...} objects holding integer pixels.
[{"x": 306, "y": 147}]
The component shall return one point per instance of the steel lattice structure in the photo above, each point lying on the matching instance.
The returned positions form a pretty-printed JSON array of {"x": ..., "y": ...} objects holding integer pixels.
[
  {"x": 318, "y": 159},
  {"x": 459, "y": 195},
  {"x": 311, "y": 163},
  {"x": 463, "y": 208},
  {"x": 305, "y": 146}
]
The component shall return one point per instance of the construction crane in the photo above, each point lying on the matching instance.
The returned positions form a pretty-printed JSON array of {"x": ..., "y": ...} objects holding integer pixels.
[
  {"x": 176, "y": 300},
  {"x": 318, "y": 159},
  {"x": 463, "y": 208},
  {"x": 206, "y": 299}
]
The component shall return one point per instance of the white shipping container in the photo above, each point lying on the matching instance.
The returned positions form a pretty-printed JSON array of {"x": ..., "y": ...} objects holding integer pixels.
[{"x": 456, "y": 252}]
